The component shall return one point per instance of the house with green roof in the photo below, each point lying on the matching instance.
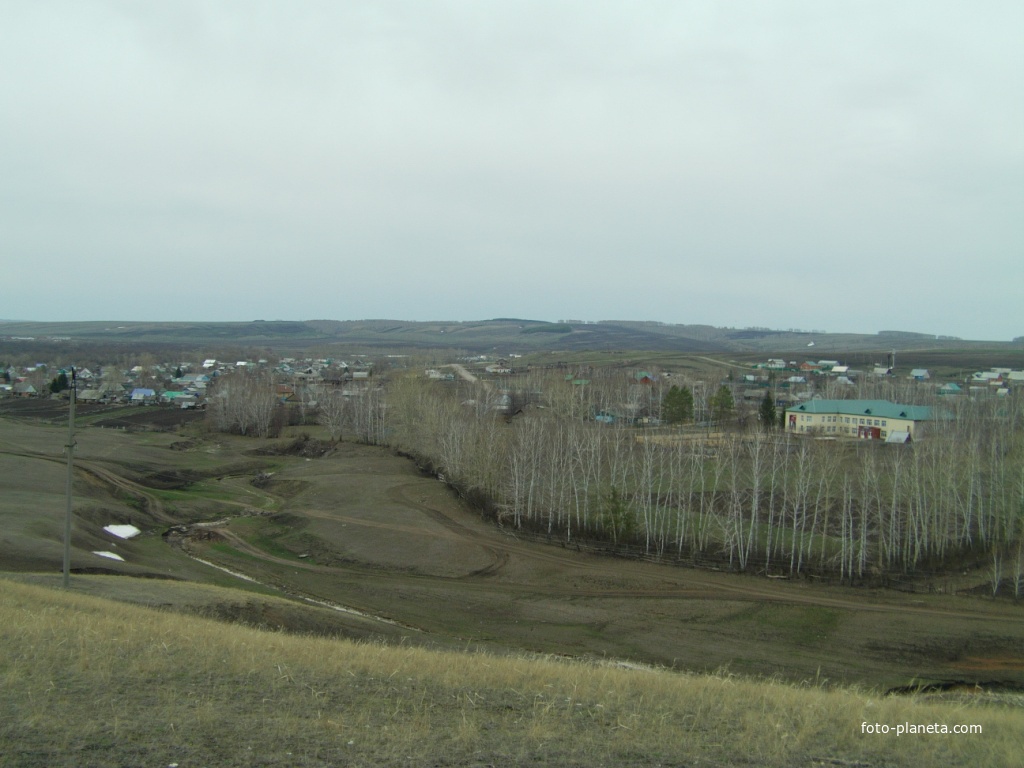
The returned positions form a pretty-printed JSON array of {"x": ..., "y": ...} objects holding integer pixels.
[{"x": 863, "y": 419}]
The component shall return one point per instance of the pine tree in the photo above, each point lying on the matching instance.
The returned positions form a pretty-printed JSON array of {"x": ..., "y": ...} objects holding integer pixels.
[{"x": 677, "y": 407}]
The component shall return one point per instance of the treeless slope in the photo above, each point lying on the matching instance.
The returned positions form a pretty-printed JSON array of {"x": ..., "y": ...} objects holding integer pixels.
[{"x": 90, "y": 682}]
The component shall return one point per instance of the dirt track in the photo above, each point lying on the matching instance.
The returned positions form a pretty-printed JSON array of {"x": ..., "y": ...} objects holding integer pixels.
[{"x": 652, "y": 581}]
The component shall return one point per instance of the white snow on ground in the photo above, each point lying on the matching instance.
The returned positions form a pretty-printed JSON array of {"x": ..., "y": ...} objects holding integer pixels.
[
  {"x": 122, "y": 531},
  {"x": 236, "y": 574},
  {"x": 354, "y": 612},
  {"x": 110, "y": 555},
  {"x": 333, "y": 606}
]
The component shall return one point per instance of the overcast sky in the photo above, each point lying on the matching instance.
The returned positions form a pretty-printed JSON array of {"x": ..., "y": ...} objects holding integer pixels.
[{"x": 845, "y": 166}]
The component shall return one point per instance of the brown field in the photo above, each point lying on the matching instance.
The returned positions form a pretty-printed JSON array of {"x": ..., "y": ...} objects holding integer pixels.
[{"x": 356, "y": 528}]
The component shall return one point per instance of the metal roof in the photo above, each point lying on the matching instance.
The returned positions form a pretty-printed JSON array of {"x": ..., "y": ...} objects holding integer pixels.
[{"x": 875, "y": 408}]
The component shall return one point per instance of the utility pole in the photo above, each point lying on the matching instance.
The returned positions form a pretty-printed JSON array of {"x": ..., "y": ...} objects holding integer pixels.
[{"x": 70, "y": 448}]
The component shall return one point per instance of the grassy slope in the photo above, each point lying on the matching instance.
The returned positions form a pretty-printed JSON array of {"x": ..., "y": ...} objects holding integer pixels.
[{"x": 86, "y": 681}]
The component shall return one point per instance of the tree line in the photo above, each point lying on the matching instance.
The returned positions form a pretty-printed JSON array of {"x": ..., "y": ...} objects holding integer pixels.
[{"x": 754, "y": 499}]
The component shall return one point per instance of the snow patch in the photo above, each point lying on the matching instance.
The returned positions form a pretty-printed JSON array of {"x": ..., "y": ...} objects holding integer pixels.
[
  {"x": 236, "y": 574},
  {"x": 326, "y": 604},
  {"x": 122, "y": 531},
  {"x": 361, "y": 614},
  {"x": 110, "y": 555}
]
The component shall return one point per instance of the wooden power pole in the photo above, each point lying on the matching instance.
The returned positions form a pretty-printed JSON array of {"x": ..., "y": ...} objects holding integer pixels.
[{"x": 70, "y": 448}]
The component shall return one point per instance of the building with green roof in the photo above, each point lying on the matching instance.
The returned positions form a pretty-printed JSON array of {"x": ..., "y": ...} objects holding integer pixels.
[{"x": 864, "y": 419}]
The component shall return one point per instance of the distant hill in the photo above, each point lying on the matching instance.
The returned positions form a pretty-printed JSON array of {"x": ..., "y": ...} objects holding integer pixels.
[{"x": 504, "y": 334}]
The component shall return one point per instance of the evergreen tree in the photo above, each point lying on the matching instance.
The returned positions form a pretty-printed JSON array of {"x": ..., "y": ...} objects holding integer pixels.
[
  {"x": 677, "y": 407},
  {"x": 60, "y": 383},
  {"x": 766, "y": 411},
  {"x": 721, "y": 404}
]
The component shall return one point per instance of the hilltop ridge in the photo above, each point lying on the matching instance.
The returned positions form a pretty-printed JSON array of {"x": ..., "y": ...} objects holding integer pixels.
[{"x": 481, "y": 335}]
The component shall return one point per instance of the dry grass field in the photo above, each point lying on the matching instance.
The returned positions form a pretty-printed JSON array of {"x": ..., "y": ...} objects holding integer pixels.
[
  {"x": 90, "y": 682},
  {"x": 489, "y": 649}
]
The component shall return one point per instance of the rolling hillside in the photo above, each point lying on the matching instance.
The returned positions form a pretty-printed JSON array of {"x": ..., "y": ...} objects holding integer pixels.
[{"x": 504, "y": 334}]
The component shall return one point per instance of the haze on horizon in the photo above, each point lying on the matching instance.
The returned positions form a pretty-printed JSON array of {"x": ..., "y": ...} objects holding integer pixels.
[{"x": 844, "y": 167}]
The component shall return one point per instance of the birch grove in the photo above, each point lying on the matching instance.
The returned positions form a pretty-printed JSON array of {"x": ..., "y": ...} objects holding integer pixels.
[
  {"x": 756, "y": 500},
  {"x": 243, "y": 402}
]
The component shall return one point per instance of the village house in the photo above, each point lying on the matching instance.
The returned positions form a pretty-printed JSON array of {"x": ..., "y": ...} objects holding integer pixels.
[
  {"x": 24, "y": 389},
  {"x": 986, "y": 377},
  {"x": 177, "y": 398},
  {"x": 191, "y": 378},
  {"x": 142, "y": 396},
  {"x": 997, "y": 380},
  {"x": 864, "y": 419},
  {"x": 89, "y": 396},
  {"x": 335, "y": 376}
]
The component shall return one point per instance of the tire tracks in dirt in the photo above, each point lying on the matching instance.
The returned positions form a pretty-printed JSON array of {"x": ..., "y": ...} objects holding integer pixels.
[
  {"x": 674, "y": 582},
  {"x": 499, "y": 555},
  {"x": 151, "y": 504},
  {"x": 698, "y": 584}
]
